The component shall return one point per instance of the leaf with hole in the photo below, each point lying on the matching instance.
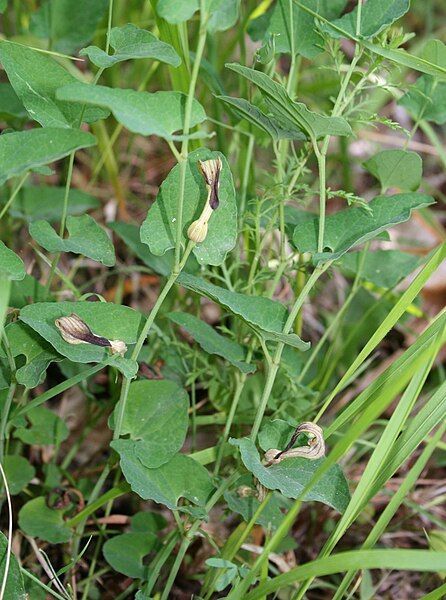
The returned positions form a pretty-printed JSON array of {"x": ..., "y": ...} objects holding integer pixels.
[
  {"x": 25, "y": 150},
  {"x": 292, "y": 475},
  {"x": 67, "y": 24},
  {"x": 36, "y": 519},
  {"x": 213, "y": 342},
  {"x": 156, "y": 419},
  {"x": 267, "y": 317},
  {"x": 290, "y": 114},
  {"x": 159, "y": 228},
  {"x": 384, "y": 268},
  {"x": 35, "y": 78},
  {"x": 38, "y": 353},
  {"x": 158, "y": 113},
  {"x": 11, "y": 265},
  {"x": 352, "y": 226},
  {"x": 18, "y": 471},
  {"x": 112, "y": 321},
  {"x": 85, "y": 237},
  {"x": 400, "y": 169},
  {"x": 131, "y": 42}
]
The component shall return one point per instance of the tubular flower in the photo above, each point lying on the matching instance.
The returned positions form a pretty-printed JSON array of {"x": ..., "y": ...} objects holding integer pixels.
[
  {"x": 210, "y": 170},
  {"x": 313, "y": 450},
  {"x": 75, "y": 331}
]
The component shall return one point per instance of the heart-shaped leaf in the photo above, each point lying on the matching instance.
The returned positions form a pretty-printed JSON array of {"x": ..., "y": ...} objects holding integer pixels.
[
  {"x": 384, "y": 268},
  {"x": 159, "y": 229},
  {"x": 11, "y": 265},
  {"x": 181, "y": 477},
  {"x": 156, "y": 419},
  {"x": 46, "y": 202},
  {"x": 352, "y": 226},
  {"x": 213, "y": 342},
  {"x": 86, "y": 237},
  {"x": 18, "y": 471},
  {"x": 130, "y": 42},
  {"x": 38, "y": 520},
  {"x": 290, "y": 114},
  {"x": 112, "y": 321},
  {"x": 45, "y": 428},
  {"x": 125, "y": 553},
  {"x": 35, "y": 78},
  {"x": 158, "y": 113},
  {"x": 292, "y": 475},
  {"x": 396, "y": 169},
  {"x": 69, "y": 24},
  {"x": 39, "y": 354},
  {"x": 426, "y": 100},
  {"x": 265, "y": 316},
  {"x": 24, "y": 150},
  {"x": 376, "y": 15}
]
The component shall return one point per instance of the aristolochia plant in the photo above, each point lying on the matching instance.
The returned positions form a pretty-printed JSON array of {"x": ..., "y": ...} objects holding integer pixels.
[{"x": 247, "y": 341}]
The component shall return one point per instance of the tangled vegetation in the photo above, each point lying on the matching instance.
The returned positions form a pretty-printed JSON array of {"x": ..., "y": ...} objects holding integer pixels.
[{"x": 222, "y": 291}]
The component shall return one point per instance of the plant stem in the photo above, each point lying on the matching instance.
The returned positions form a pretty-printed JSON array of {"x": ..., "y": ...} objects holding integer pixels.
[
  {"x": 4, "y": 417},
  {"x": 14, "y": 194},
  {"x": 274, "y": 367},
  {"x": 187, "y": 540}
]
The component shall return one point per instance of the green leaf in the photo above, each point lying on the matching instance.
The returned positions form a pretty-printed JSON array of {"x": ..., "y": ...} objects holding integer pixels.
[
  {"x": 292, "y": 475},
  {"x": 11, "y": 265},
  {"x": 307, "y": 40},
  {"x": 3, "y": 5},
  {"x": 376, "y": 15},
  {"x": 384, "y": 268},
  {"x": 426, "y": 100},
  {"x": 35, "y": 78},
  {"x": 10, "y": 105},
  {"x": 181, "y": 477},
  {"x": 292, "y": 114},
  {"x": 46, "y": 202},
  {"x": 176, "y": 11},
  {"x": 158, "y": 113},
  {"x": 275, "y": 434},
  {"x": 23, "y": 341},
  {"x": 130, "y": 235},
  {"x": 15, "y": 588},
  {"x": 159, "y": 229},
  {"x": 147, "y": 522},
  {"x": 131, "y": 42},
  {"x": 267, "y": 123},
  {"x": 259, "y": 312},
  {"x": 69, "y": 24},
  {"x": 224, "y": 15},
  {"x": 25, "y": 290},
  {"x": 213, "y": 342},
  {"x": 109, "y": 320},
  {"x": 156, "y": 419},
  {"x": 246, "y": 506},
  {"x": 396, "y": 169},
  {"x": 353, "y": 226},
  {"x": 86, "y": 237},
  {"x": 125, "y": 553},
  {"x": 25, "y": 150},
  {"x": 45, "y": 429},
  {"x": 19, "y": 473},
  {"x": 38, "y": 520}
]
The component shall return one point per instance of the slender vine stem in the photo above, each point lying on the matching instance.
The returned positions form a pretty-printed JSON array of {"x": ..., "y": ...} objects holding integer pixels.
[{"x": 13, "y": 195}]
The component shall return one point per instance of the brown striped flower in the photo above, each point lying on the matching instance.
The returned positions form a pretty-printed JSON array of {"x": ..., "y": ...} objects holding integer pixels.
[
  {"x": 210, "y": 170},
  {"x": 75, "y": 331},
  {"x": 313, "y": 450}
]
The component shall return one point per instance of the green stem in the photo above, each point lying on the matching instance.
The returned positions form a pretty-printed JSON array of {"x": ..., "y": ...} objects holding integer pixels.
[
  {"x": 187, "y": 540},
  {"x": 185, "y": 144},
  {"x": 274, "y": 367},
  {"x": 4, "y": 417},
  {"x": 13, "y": 195}
]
